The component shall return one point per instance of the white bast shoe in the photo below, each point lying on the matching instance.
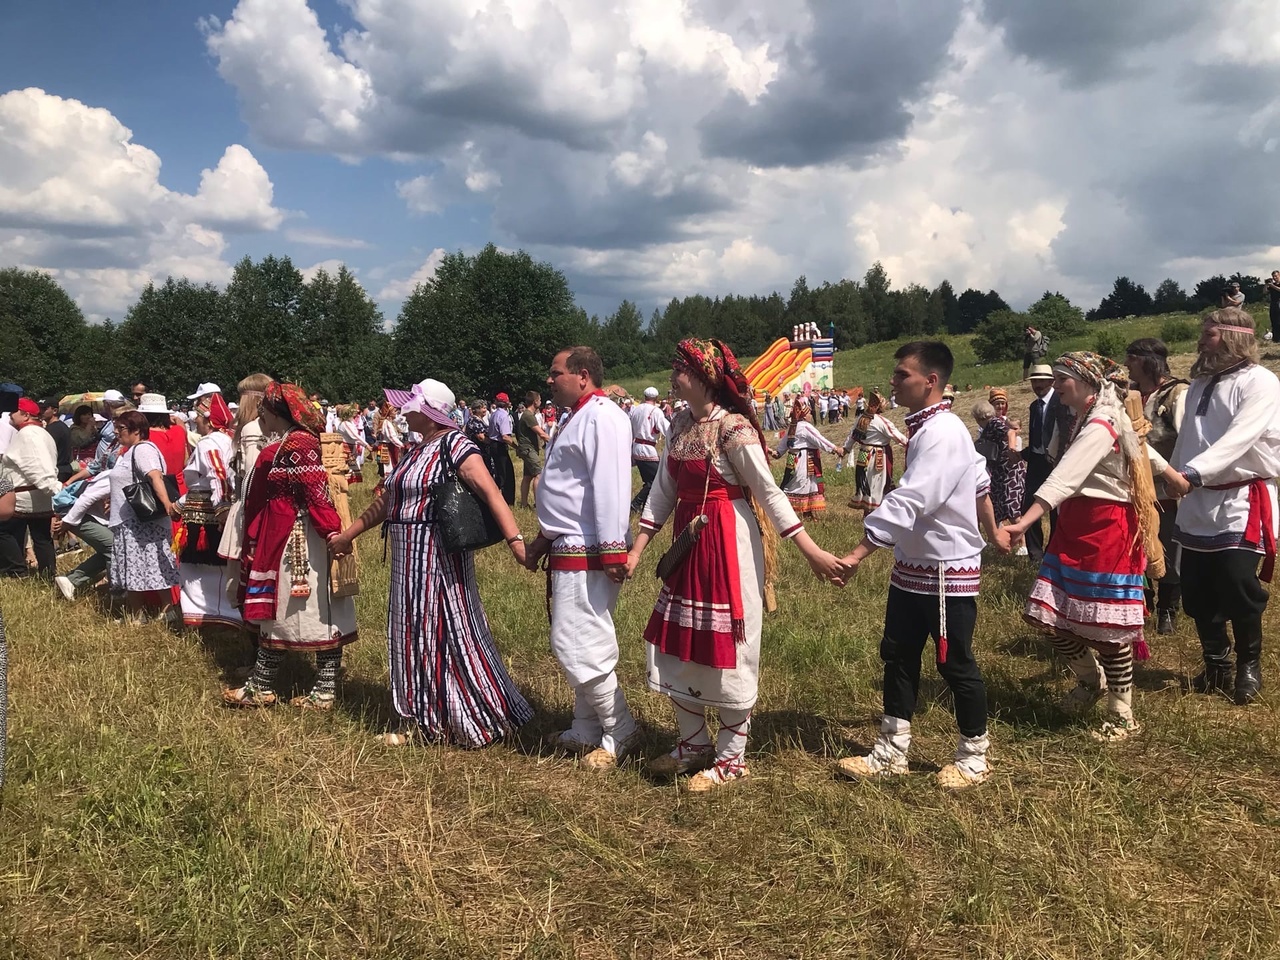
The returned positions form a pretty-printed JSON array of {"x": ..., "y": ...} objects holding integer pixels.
[{"x": 65, "y": 587}]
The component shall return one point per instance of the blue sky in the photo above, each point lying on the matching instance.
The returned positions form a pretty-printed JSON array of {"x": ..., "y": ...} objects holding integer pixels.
[{"x": 648, "y": 148}]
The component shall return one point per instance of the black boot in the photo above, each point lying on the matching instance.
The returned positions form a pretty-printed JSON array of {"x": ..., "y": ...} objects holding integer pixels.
[
  {"x": 1248, "y": 656},
  {"x": 1216, "y": 675}
]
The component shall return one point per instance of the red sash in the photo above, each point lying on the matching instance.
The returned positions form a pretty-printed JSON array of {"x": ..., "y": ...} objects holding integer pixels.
[{"x": 1258, "y": 528}]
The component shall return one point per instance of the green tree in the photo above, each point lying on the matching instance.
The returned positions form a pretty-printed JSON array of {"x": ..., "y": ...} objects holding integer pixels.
[
  {"x": 1170, "y": 297},
  {"x": 946, "y": 294},
  {"x": 41, "y": 329},
  {"x": 263, "y": 333},
  {"x": 1208, "y": 292},
  {"x": 840, "y": 304},
  {"x": 342, "y": 327},
  {"x": 1000, "y": 336},
  {"x": 173, "y": 338},
  {"x": 877, "y": 306},
  {"x": 1126, "y": 299},
  {"x": 624, "y": 347},
  {"x": 489, "y": 323},
  {"x": 1054, "y": 314},
  {"x": 974, "y": 306}
]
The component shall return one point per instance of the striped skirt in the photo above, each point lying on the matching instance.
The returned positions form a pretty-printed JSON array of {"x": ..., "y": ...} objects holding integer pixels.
[
  {"x": 447, "y": 673},
  {"x": 1090, "y": 585}
]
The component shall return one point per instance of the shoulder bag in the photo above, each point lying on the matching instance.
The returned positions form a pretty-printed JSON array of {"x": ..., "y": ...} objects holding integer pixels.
[
  {"x": 463, "y": 520},
  {"x": 141, "y": 495}
]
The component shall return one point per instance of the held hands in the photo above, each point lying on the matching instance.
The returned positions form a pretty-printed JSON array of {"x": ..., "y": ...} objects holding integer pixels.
[
  {"x": 518, "y": 551},
  {"x": 1009, "y": 536},
  {"x": 826, "y": 566},
  {"x": 1177, "y": 485},
  {"x": 633, "y": 561},
  {"x": 339, "y": 545}
]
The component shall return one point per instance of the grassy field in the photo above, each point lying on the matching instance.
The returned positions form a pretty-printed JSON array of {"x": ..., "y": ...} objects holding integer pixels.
[{"x": 141, "y": 818}]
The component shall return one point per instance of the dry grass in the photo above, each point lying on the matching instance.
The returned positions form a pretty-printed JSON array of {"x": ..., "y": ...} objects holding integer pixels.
[{"x": 142, "y": 818}]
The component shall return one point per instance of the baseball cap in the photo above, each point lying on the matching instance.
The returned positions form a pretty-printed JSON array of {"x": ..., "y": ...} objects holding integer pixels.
[
  {"x": 27, "y": 405},
  {"x": 502, "y": 398},
  {"x": 204, "y": 390},
  {"x": 113, "y": 396}
]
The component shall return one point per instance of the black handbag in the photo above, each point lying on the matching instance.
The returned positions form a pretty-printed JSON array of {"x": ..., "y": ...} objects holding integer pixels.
[
  {"x": 141, "y": 495},
  {"x": 463, "y": 520}
]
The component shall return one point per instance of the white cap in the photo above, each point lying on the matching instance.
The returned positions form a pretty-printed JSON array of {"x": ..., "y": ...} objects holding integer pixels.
[
  {"x": 99, "y": 418},
  {"x": 204, "y": 390},
  {"x": 651, "y": 393},
  {"x": 113, "y": 396},
  {"x": 233, "y": 406}
]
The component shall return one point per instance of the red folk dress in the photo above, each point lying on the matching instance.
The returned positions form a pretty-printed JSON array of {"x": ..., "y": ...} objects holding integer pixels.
[
  {"x": 704, "y": 632},
  {"x": 284, "y": 574}
]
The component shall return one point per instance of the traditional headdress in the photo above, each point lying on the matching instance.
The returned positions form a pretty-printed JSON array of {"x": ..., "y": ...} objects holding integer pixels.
[
  {"x": 1091, "y": 368},
  {"x": 712, "y": 362},
  {"x": 219, "y": 413},
  {"x": 875, "y": 401},
  {"x": 996, "y": 393},
  {"x": 289, "y": 400}
]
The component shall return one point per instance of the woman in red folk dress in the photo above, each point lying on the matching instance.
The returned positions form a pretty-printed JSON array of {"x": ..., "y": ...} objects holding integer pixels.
[
  {"x": 704, "y": 633},
  {"x": 284, "y": 566}
]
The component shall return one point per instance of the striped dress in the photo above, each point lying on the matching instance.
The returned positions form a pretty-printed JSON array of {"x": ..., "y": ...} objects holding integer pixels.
[{"x": 447, "y": 674}]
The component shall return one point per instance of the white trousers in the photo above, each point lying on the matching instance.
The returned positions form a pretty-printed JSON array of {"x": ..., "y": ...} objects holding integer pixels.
[{"x": 585, "y": 642}]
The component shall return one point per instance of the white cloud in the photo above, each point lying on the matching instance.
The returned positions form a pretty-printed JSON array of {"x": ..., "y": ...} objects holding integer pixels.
[
  {"x": 665, "y": 147},
  {"x": 322, "y": 238},
  {"x": 399, "y": 289},
  {"x": 80, "y": 199},
  {"x": 419, "y": 195},
  {"x": 330, "y": 267}
]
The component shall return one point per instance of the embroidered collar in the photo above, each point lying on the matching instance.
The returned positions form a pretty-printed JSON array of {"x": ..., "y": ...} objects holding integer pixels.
[
  {"x": 565, "y": 418},
  {"x": 918, "y": 419}
]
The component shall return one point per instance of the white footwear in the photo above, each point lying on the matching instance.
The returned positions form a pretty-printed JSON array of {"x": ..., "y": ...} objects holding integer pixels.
[
  {"x": 1267, "y": 336},
  {"x": 65, "y": 587}
]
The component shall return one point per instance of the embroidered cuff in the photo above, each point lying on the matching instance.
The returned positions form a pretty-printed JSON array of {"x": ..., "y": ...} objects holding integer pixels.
[
  {"x": 612, "y": 559},
  {"x": 790, "y": 532}
]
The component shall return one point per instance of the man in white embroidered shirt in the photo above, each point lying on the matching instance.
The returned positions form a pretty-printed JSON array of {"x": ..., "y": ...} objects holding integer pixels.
[
  {"x": 1228, "y": 451},
  {"x": 584, "y": 527},
  {"x": 931, "y": 521}
]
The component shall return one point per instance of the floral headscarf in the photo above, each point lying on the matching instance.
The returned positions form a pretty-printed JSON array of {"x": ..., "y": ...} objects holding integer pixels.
[
  {"x": 1093, "y": 369},
  {"x": 289, "y": 400}
]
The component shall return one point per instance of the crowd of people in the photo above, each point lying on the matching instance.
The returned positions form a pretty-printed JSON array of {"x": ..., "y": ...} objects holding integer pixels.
[{"x": 1159, "y": 493}]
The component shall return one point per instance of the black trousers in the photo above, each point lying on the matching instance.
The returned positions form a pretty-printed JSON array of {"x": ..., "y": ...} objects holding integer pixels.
[
  {"x": 909, "y": 620},
  {"x": 648, "y": 473},
  {"x": 1275, "y": 324},
  {"x": 1222, "y": 586},
  {"x": 1038, "y": 470},
  {"x": 13, "y": 546},
  {"x": 504, "y": 471}
]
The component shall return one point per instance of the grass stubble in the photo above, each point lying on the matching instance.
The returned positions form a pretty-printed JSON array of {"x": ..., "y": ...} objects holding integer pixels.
[{"x": 141, "y": 818}]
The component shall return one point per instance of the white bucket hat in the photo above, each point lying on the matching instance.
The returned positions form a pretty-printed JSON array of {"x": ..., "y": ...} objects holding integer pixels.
[{"x": 153, "y": 403}]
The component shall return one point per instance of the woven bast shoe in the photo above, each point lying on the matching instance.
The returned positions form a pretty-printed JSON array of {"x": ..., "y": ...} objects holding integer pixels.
[
  {"x": 248, "y": 697},
  {"x": 313, "y": 701},
  {"x": 718, "y": 776},
  {"x": 1117, "y": 728},
  {"x": 954, "y": 777},
  {"x": 683, "y": 760},
  {"x": 1081, "y": 698}
]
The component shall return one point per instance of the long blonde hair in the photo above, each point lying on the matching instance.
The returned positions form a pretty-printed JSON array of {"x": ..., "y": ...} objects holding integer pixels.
[{"x": 250, "y": 389}]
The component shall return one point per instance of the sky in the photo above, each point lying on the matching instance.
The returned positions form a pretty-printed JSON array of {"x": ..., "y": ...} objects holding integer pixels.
[{"x": 649, "y": 149}]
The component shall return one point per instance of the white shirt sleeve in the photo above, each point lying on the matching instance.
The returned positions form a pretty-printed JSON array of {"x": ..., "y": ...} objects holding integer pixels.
[
  {"x": 753, "y": 472},
  {"x": 1255, "y": 416},
  {"x": 928, "y": 482}
]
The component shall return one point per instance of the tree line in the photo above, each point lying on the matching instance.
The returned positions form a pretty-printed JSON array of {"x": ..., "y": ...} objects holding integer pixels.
[{"x": 486, "y": 322}]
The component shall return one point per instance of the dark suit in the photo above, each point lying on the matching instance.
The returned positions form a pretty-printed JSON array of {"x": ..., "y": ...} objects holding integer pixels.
[{"x": 1039, "y": 467}]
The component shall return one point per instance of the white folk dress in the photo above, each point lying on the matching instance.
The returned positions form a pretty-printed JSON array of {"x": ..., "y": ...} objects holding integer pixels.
[
  {"x": 203, "y": 574},
  {"x": 873, "y": 459},
  {"x": 693, "y": 611},
  {"x": 802, "y": 480}
]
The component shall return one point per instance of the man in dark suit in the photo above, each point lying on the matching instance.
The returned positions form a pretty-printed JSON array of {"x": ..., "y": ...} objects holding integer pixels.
[{"x": 1043, "y": 419}]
